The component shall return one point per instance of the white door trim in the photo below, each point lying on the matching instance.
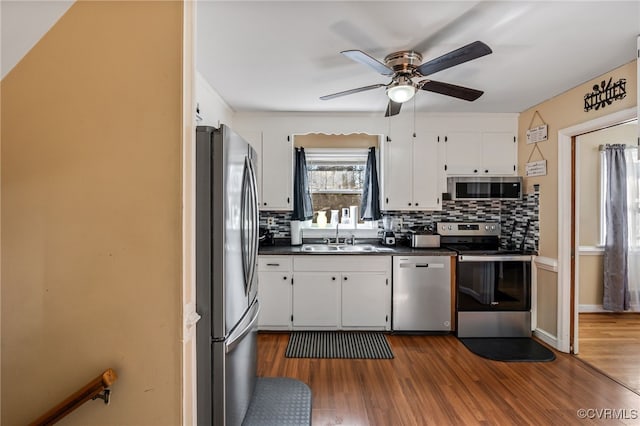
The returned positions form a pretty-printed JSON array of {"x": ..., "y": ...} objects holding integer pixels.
[{"x": 564, "y": 219}]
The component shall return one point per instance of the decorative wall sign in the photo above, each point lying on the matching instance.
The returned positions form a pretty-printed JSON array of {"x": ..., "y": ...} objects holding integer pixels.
[
  {"x": 605, "y": 93},
  {"x": 537, "y": 134},
  {"x": 536, "y": 168}
]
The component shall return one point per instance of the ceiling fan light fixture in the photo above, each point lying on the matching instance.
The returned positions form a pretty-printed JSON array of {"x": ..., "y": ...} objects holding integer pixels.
[{"x": 401, "y": 90}]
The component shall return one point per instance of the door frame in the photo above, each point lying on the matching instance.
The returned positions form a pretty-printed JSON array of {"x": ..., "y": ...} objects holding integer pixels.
[{"x": 568, "y": 312}]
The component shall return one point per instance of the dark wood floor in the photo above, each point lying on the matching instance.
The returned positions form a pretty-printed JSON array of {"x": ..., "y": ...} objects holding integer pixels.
[
  {"x": 435, "y": 380},
  {"x": 611, "y": 343}
]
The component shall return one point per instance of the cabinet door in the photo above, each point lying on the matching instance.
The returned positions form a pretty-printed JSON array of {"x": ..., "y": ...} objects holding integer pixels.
[
  {"x": 426, "y": 172},
  {"x": 316, "y": 299},
  {"x": 499, "y": 151},
  {"x": 274, "y": 293},
  {"x": 397, "y": 177},
  {"x": 365, "y": 299},
  {"x": 463, "y": 153},
  {"x": 277, "y": 171}
]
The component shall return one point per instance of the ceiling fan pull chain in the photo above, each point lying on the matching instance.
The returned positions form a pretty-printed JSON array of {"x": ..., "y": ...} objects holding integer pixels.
[{"x": 414, "y": 117}]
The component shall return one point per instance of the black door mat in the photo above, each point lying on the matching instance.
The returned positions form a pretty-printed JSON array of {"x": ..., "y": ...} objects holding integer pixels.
[
  {"x": 338, "y": 344},
  {"x": 510, "y": 349},
  {"x": 279, "y": 401}
]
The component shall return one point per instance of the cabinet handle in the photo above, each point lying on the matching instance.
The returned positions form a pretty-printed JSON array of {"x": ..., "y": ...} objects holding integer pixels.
[
  {"x": 265, "y": 203},
  {"x": 475, "y": 170},
  {"x": 416, "y": 204},
  {"x": 345, "y": 278},
  {"x": 273, "y": 264},
  {"x": 284, "y": 278},
  {"x": 409, "y": 203},
  {"x": 486, "y": 171},
  {"x": 333, "y": 278},
  {"x": 387, "y": 200}
]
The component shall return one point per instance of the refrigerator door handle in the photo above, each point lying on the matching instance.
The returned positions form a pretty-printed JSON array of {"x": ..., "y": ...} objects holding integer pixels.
[
  {"x": 254, "y": 224},
  {"x": 243, "y": 328},
  {"x": 245, "y": 217}
]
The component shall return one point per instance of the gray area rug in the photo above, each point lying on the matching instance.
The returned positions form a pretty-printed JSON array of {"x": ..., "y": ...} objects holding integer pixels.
[
  {"x": 338, "y": 344},
  {"x": 279, "y": 401},
  {"x": 509, "y": 349}
]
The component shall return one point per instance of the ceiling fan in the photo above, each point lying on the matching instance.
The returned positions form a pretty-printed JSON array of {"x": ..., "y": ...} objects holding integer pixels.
[{"x": 404, "y": 66}]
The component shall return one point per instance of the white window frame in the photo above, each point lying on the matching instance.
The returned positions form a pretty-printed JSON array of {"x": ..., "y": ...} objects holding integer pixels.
[{"x": 368, "y": 229}]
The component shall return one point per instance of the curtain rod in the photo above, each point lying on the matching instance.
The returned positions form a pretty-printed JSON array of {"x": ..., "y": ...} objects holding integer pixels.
[{"x": 603, "y": 147}]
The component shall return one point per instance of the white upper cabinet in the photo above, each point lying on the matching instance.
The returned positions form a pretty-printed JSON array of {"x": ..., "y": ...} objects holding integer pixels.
[
  {"x": 410, "y": 178},
  {"x": 463, "y": 153},
  {"x": 499, "y": 153},
  {"x": 480, "y": 153},
  {"x": 277, "y": 171},
  {"x": 413, "y": 169},
  {"x": 397, "y": 192},
  {"x": 274, "y": 168},
  {"x": 255, "y": 140}
]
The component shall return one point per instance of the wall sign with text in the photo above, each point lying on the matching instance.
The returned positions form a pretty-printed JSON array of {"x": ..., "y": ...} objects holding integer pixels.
[{"x": 605, "y": 93}]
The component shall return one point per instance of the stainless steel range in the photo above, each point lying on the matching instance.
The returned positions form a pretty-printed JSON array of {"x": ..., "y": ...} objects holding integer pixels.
[{"x": 493, "y": 297}]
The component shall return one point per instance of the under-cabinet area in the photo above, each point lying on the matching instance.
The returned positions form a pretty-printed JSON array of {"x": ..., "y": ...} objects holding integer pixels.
[{"x": 317, "y": 292}]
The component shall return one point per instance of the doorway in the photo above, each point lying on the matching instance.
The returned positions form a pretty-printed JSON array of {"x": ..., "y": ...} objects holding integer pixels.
[
  {"x": 567, "y": 298},
  {"x": 608, "y": 341}
]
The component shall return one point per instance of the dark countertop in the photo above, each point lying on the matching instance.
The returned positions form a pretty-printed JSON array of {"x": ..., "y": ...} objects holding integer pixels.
[{"x": 283, "y": 248}]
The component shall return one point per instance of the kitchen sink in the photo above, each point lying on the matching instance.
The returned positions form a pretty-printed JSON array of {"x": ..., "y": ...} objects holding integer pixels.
[
  {"x": 332, "y": 248},
  {"x": 319, "y": 247},
  {"x": 357, "y": 247}
]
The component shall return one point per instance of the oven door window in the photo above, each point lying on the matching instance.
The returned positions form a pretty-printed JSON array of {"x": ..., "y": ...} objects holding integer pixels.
[{"x": 494, "y": 286}]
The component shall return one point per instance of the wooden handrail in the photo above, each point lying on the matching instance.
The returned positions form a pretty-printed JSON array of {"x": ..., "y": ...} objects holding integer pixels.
[{"x": 96, "y": 388}]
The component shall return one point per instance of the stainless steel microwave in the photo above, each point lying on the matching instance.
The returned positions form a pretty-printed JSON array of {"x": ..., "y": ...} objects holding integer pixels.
[{"x": 485, "y": 188}]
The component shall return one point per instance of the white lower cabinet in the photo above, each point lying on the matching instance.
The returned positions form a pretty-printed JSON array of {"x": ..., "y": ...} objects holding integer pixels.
[
  {"x": 315, "y": 292},
  {"x": 365, "y": 299},
  {"x": 342, "y": 292},
  {"x": 316, "y": 299},
  {"x": 274, "y": 292}
]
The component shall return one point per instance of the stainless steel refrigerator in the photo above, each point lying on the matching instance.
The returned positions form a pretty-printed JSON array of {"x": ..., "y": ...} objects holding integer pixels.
[{"x": 226, "y": 277}]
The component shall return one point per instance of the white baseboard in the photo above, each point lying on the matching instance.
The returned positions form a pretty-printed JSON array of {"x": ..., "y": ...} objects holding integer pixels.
[
  {"x": 591, "y": 308},
  {"x": 546, "y": 337},
  {"x": 546, "y": 263}
]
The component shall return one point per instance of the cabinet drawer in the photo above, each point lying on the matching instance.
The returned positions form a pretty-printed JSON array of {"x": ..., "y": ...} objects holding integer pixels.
[
  {"x": 274, "y": 263},
  {"x": 348, "y": 263}
]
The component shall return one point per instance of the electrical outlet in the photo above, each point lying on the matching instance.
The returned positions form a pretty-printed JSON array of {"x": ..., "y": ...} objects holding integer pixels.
[{"x": 271, "y": 221}]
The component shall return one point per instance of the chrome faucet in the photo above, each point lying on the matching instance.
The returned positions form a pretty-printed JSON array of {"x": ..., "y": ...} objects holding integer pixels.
[{"x": 337, "y": 239}]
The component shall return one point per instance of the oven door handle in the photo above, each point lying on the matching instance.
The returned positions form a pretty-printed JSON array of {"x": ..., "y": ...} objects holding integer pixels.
[{"x": 498, "y": 258}]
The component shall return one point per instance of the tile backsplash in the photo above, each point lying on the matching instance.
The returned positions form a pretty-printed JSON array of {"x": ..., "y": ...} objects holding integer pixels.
[{"x": 516, "y": 217}]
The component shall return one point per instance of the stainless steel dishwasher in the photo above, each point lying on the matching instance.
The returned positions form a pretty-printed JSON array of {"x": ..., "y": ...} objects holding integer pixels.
[{"x": 421, "y": 293}]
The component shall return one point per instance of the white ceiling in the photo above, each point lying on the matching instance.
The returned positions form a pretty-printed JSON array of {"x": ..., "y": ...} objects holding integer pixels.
[{"x": 282, "y": 56}]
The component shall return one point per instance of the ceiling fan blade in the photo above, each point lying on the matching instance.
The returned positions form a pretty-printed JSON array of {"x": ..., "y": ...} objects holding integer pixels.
[
  {"x": 450, "y": 90},
  {"x": 363, "y": 58},
  {"x": 455, "y": 57},
  {"x": 349, "y": 92},
  {"x": 393, "y": 108}
]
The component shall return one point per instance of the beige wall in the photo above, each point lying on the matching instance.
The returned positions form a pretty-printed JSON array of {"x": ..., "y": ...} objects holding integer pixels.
[
  {"x": 562, "y": 111},
  {"x": 91, "y": 215},
  {"x": 547, "y": 316},
  {"x": 591, "y": 271}
]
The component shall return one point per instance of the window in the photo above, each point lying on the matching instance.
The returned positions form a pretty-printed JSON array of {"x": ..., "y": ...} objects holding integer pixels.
[
  {"x": 336, "y": 179},
  {"x": 633, "y": 197}
]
